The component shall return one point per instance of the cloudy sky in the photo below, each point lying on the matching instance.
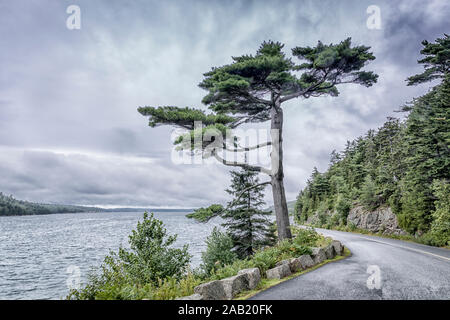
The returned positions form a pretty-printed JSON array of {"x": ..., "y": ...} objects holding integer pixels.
[{"x": 69, "y": 129}]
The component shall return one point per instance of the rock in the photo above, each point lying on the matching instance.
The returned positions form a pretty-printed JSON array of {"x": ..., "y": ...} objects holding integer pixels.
[
  {"x": 380, "y": 220},
  {"x": 318, "y": 255},
  {"x": 329, "y": 251},
  {"x": 338, "y": 247},
  {"x": 286, "y": 261},
  {"x": 306, "y": 261},
  {"x": 279, "y": 272},
  {"x": 253, "y": 277},
  {"x": 213, "y": 290},
  {"x": 194, "y": 296},
  {"x": 234, "y": 285},
  {"x": 295, "y": 265}
]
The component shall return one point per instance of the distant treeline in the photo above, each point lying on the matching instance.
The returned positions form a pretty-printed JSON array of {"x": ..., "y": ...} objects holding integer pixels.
[{"x": 13, "y": 207}]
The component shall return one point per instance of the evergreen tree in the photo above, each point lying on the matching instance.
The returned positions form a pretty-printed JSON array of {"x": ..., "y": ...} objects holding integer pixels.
[
  {"x": 253, "y": 88},
  {"x": 369, "y": 193},
  {"x": 436, "y": 61},
  {"x": 246, "y": 222}
]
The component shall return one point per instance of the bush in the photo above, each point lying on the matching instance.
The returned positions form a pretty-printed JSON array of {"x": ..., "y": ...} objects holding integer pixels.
[
  {"x": 151, "y": 258},
  {"x": 267, "y": 258},
  {"x": 136, "y": 273},
  {"x": 230, "y": 270},
  {"x": 172, "y": 288},
  {"x": 218, "y": 252},
  {"x": 307, "y": 237}
]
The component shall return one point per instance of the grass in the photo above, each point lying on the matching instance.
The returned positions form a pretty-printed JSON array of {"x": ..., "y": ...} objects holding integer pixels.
[{"x": 265, "y": 284}]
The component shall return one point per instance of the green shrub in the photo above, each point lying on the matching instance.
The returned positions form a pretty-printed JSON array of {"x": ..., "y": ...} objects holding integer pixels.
[
  {"x": 137, "y": 272},
  {"x": 172, "y": 288},
  {"x": 351, "y": 226},
  {"x": 230, "y": 270},
  {"x": 306, "y": 237},
  {"x": 265, "y": 259},
  {"x": 151, "y": 256},
  {"x": 218, "y": 252}
]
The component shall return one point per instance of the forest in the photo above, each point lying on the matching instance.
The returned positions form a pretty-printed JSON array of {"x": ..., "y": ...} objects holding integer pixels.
[
  {"x": 13, "y": 207},
  {"x": 403, "y": 165}
]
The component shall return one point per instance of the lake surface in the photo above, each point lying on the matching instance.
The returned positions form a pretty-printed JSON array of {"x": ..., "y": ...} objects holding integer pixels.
[{"x": 40, "y": 254}]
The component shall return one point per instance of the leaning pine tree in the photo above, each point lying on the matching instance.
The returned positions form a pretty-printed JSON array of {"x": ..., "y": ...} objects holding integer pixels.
[
  {"x": 253, "y": 88},
  {"x": 246, "y": 223}
]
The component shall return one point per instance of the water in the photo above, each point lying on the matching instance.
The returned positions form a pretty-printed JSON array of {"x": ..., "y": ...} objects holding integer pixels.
[{"x": 36, "y": 251}]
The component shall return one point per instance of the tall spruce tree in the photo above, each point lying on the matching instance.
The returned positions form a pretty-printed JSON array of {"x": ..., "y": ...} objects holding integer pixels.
[
  {"x": 246, "y": 223},
  {"x": 253, "y": 89},
  {"x": 427, "y": 138}
]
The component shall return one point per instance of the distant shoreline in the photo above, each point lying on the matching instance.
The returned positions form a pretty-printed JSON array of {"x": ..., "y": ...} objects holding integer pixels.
[
  {"x": 9, "y": 206},
  {"x": 115, "y": 210}
]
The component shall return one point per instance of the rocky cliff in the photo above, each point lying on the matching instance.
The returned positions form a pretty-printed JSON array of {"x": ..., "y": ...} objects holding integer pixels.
[{"x": 380, "y": 220}]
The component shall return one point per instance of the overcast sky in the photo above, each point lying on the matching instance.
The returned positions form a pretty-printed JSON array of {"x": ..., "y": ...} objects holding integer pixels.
[{"x": 69, "y": 129}]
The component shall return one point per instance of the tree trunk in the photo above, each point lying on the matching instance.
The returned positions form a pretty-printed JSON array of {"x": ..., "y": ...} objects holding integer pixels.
[{"x": 279, "y": 196}]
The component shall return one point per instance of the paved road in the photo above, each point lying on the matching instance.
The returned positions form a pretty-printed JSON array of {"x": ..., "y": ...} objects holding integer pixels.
[{"x": 407, "y": 271}]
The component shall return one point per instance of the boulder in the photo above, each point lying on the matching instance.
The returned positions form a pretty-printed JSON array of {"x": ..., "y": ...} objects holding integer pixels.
[
  {"x": 213, "y": 290},
  {"x": 194, "y": 296},
  {"x": 286, "y": 261},
  {"x": 381, "y": 220},
  {"x": 234, "y": 285},
  {"x": 329, "y": 251},
  {"x": 318, "y": 255},
  {"x": 295, "y": 265},
  {"x": 279, "y": 272},
  {"x": 306, "y": 261},
  {"x": 253, "y": 277},
  {"x": 338, "y": 247}
]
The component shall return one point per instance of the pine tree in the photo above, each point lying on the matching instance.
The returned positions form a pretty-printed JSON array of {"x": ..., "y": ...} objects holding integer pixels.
[
  {"x": 246, "y": 222},
  {"x": 253, "y": 89}
]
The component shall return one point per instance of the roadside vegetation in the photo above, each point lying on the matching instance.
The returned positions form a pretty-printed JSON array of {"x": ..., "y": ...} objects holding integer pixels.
[{"x": 153, "y": 269}]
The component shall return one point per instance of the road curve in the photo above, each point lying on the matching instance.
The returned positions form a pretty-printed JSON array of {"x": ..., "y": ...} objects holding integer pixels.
[{"x": 407, "y": 271}]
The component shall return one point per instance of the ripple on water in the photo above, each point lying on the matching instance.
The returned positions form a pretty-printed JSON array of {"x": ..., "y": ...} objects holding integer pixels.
[{"x": 35, "y": 251}]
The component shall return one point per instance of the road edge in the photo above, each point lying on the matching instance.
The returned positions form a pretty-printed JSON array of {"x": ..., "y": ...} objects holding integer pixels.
[{"x": 267, "y": 284}]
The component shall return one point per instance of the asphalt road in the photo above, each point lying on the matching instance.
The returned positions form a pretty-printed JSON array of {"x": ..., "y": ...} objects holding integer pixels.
[{"x": 398, "y": 270}]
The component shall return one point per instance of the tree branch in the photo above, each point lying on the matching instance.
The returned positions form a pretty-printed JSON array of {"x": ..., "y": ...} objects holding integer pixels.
[
  {"x": 265, "y": 144},
  {"x": 242, "y": 165}
]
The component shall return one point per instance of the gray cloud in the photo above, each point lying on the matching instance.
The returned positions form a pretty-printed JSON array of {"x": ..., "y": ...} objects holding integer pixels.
[{"x": 69, "y": 130}]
